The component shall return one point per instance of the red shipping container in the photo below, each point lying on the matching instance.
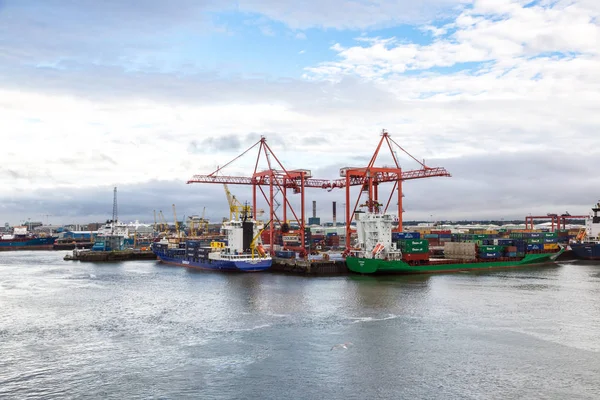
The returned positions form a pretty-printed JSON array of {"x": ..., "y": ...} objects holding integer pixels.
[{"x": 415, "y": 257}]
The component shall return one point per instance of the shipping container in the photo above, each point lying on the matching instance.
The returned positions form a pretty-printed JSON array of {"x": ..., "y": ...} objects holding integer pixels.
[
  {"x": 405, "y": 235},
  {"x": 537, "y": 246},
  {"x": 491, "y": 249},
  {"x": 551, "y": 240},
  {"x": 285, "y": 254},
  {"x": 551, "y": 246},
  {"x": 415, "y": 249},
  {"x": 489, "y": 255},
  {"x": 415, "y": 256},
  {"x": 414, "y": 242}
]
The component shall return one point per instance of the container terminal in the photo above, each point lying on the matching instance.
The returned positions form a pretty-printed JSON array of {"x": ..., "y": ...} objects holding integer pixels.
[{"x": 292, "y": 243}]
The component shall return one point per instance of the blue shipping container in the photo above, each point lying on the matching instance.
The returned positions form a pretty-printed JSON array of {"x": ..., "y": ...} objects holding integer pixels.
[
  {"x": 551, "y": 240},
  {"x": 535, "y": 247},
  {"x": 285, "y": 254},
  {"x": 406, "y": 235},
  {"x": 511, "y": 254},
  {"x": 494, "y": 254},
  {"x": 534, "y": 235}
]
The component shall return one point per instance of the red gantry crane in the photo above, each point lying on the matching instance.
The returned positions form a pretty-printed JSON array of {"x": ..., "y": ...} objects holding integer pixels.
[
  {"x": 557, "y": 220},
  {"x": 370, "y": 177},
  {"x": 277, "y": 180}
]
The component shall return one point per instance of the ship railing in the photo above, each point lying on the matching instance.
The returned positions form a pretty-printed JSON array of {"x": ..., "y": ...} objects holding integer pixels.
[{"x": 239, "y": 256}]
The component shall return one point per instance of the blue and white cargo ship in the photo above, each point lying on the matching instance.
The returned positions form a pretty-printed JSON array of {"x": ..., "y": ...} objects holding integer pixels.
[
  {"x": 23, "y": 240},
  {"x": 588, "y": 247},
  {"x": 241, "y": 251}
]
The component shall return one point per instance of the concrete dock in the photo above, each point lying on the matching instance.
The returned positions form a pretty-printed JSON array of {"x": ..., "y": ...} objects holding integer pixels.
[
  {"x": 309, "y": 267},
  {"x": 110, "y": 256}
]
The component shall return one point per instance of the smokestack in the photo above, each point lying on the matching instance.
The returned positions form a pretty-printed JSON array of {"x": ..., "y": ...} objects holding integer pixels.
[
  {"x": 314, "y": 209},
  {"x": 334, "y": 212}
]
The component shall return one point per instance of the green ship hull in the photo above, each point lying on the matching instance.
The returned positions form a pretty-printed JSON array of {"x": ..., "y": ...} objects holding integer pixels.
[{"x": 372, "y": 265}]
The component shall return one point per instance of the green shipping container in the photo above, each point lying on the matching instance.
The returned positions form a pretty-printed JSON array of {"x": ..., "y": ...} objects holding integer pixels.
[
  {"x": 535, "y": 241},
  {"x": 550, "y": 234},
  {"x": 415, "y": 250},
  {"x": 414, "y": 242}
]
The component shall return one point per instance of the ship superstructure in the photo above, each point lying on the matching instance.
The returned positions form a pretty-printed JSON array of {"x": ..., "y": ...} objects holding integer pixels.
[{"x": 587, "y": 245}]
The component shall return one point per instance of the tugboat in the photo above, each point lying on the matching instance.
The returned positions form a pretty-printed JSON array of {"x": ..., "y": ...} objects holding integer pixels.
[
  {"x": 587, "y": 244},
  {"x": 377, "y": 252},
  {"x": 241, "y": 251}
]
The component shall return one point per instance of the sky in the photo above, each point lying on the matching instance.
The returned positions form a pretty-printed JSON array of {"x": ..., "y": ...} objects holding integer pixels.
[{"x": 505, "y": 94}]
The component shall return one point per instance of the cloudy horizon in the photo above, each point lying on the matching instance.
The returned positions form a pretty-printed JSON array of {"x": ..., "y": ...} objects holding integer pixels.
[{"x": 505, "y": 94}]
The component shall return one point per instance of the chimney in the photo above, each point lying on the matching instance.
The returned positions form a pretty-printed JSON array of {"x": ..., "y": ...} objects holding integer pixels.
[
  {"x": 334, "y": 212},
  {"x": 314, "y": 209}
]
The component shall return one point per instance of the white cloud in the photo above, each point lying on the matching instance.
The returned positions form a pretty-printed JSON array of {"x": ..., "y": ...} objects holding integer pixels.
[
  {"x": 534, "y": 90},
  {"x": 531, "y": 87},
  {"x": 435, "y": 31},
  {"x": 301, "y": 36},
  {"x": 479, "y": 37}
]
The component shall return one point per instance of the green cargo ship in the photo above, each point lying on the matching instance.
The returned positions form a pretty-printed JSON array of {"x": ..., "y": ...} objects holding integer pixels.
[
  {"x": 374, "y": 265},
  {"x": 376, "y": 252}
]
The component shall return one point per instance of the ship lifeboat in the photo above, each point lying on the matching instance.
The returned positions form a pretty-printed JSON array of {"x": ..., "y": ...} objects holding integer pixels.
[
  {"x": 261, "y": 250},
  {"x": 378, "y": 248}
]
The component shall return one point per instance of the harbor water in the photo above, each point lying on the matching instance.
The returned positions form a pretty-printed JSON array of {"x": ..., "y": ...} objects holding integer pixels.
[{"x": 143, "y": 330}]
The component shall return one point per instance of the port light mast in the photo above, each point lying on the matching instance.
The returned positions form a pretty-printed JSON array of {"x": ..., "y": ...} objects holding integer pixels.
[
  {"x": 114, "y": 213},
  {"x": 370, "y": 177},
  {"x": 270, "y": 182}
]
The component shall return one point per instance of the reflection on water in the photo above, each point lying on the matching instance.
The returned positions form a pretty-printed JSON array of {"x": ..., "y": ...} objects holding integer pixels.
[{"x": 144, "y": 330}]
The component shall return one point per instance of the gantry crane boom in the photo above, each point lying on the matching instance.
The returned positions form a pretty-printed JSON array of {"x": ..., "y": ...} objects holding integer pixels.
[
  {"x": 355, "y": 180},
  {"x": 164, "y": 227}
]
